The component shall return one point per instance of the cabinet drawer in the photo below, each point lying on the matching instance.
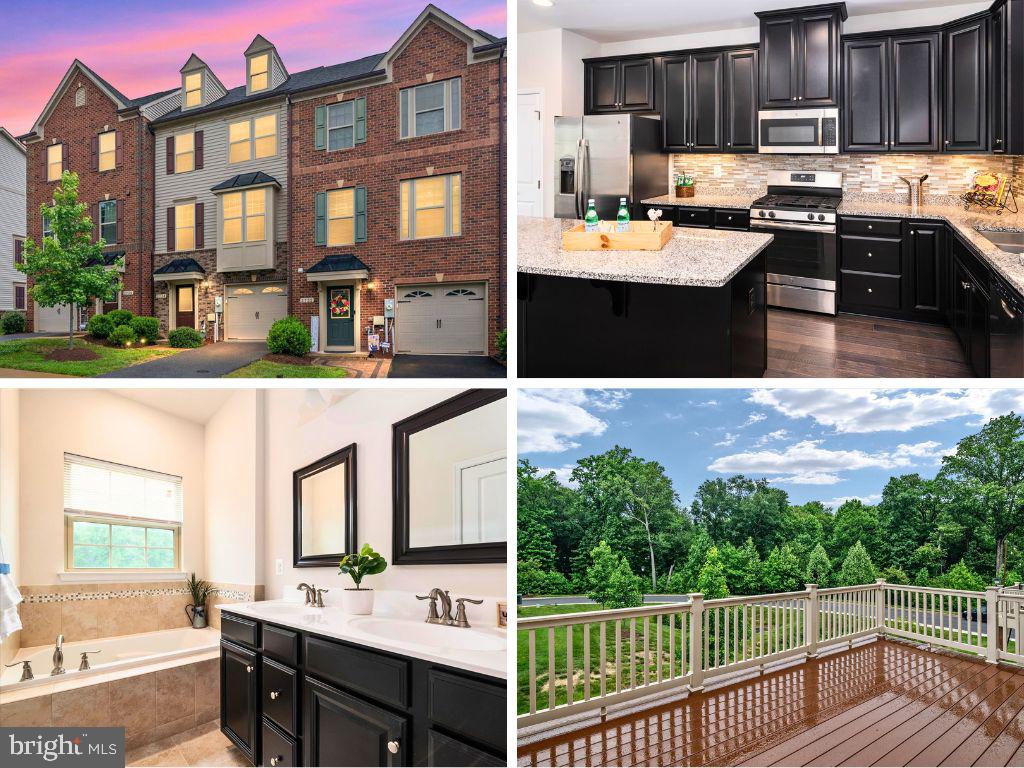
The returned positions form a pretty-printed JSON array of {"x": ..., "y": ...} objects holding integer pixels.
[
  {"x": 280, "y": 695},
  {"x": 281, "y": 644},
  {"x": 240, "y": 630},
  {"x": 278, "y": 748},
  {"x": 870, "y": 254},
  {"x": 870, "y": 290},
  {"x": 687, "y": 216},
  {"x": 872, "y": 227},
  {"x": 467, "y": 706},
  {"x": 445, "y": 751},
  {"x": 381, "y": 677},
  {"x": 726, "y": 218}
]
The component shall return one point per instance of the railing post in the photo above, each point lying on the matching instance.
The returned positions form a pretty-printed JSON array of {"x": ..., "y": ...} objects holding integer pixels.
[
  {"x": 880, "y": 605},
  {"x": 696, "y": 642},
  {"x": 991, "y": 624},
  {"x": 811, "y": 628}
]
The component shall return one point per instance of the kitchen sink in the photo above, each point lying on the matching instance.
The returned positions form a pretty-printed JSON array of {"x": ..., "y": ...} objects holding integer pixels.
[
  {"x": 1011, "y": 242},
  {"x": 432, "y": 635}
]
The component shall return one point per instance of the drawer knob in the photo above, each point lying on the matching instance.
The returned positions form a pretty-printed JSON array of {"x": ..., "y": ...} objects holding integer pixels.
[
  {"x": 870, "y": 227},
  {"x": 275, "y": 695},
  {"x": 276, "y": 760},
  {"x": 870, "y": 254},
  {"x": 730, "y": 218},
  {"x": 248, "y": 668},
  {"x": 870, "y": 291},
  {"x": 393, "y": 747}
]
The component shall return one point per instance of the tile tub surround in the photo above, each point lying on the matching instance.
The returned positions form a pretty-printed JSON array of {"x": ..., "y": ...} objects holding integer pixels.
[{"x": 693, "y": 257}]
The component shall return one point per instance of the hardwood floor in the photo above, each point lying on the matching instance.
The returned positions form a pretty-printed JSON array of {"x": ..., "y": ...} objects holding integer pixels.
[{"x": 805, "y": 344}]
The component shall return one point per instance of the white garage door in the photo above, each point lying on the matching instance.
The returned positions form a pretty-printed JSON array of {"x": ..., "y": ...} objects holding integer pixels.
[
  {"x": 52, "y": 319},
  {"x": 252, "y": 309},
  {"x": 442, "y": 319}
]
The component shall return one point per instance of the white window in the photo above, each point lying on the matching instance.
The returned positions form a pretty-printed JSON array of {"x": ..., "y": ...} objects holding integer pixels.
[
  {"x": 341, "y": 217},
  {"x": 255, "y": 138},
  {"x": 120, "y": 517},
  {"x": 193, "y": 89},
  {"x": 54, "y": 162},
  {"x": 47, "y": 229},
  {"x": 184, "y": 152},
  {"x": 431, "y": 108},
  {"x": 431, "y": 207},
  {"x": 108, "y": 150},
  {"x": 259, "y": 78},
  {"x": 108, "y": 221},
  {"x": 80, "y": 97},
  {"x": 341, "y": 125},
  {"x": 245, "y": 215},
  {"x": 185, "y": 227}
]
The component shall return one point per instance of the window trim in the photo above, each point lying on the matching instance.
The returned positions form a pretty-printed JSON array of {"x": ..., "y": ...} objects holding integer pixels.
[
  {"x": 100, "y": 224},
  {"x": 50, "y": 163},
  {"x": 251, "y": 138},
  {"x": 243, "y": 217},
  {"x": 407, "y": 96},
  {"x": 112, "y": 151},
  {"x": 328, "y": 127},
  {"x": 24, "y": 296},
  {"x": 410, "y": 215},
  {"x": 265, "y": 72},
  {"x": 191, "y": 153},
  {"x": 329, "y": 218},
  {"x": 177, "y": 229},
  {"x": 185, "y": 90},
  {"x": 70, "y": 518}
]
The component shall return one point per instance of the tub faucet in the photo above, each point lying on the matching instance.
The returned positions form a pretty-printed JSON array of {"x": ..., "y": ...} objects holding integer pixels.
[
  {"x": 84, "y": 665},
  {"x": 58, "y": 657},
  {"x": 310, "y": 593},
  {"x": 26, "y": 670}
]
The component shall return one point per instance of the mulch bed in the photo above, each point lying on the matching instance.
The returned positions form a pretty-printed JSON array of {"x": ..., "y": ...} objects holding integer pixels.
[
  {"x": 290, "y": 359},
  {"x": 72, "y": 355}
]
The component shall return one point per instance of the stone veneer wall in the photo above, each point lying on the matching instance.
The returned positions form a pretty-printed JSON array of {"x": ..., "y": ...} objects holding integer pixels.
[{"x": 948, "y": 173}]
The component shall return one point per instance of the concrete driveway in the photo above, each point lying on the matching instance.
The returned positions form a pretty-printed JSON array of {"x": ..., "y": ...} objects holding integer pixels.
[
  {"x": 42, "y": 335},
  {"x": 209, "y": 362},
  {"x": 446, "y": 367}
]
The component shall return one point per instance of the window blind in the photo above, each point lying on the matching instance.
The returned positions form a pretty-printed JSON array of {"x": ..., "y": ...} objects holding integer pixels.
[{"x": 95, "y": 487}]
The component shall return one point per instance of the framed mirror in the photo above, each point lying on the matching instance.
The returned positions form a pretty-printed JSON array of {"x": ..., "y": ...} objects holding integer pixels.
[
  {"x": 324, "y": 509},
  {"x": 449, "y": 475}
]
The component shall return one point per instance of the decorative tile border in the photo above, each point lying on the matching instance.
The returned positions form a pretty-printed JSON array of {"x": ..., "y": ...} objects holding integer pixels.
[{"x": 115, "y": 594}]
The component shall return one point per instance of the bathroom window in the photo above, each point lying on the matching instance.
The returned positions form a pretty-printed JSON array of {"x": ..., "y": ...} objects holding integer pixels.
[{"x": 119, "y": 517}]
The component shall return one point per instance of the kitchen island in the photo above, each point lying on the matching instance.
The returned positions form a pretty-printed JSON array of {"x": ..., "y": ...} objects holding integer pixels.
[{"x": 694, "y": 308}]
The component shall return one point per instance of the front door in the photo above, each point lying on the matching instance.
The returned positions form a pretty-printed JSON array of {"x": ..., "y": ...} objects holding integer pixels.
[
  {"x": 341, "y": 324},
  {"x": 186, "y": 307}
]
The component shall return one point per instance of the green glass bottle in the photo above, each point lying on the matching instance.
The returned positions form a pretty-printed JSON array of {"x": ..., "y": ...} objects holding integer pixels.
[
  {"x": 622, "y": 219},
  {"x": 591, "y": 221}
]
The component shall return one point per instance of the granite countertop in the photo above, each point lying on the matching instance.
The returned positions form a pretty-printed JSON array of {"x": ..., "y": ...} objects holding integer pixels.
[
  {"x": 707, "y": 258},
  {"x": 742, "y": 198}
]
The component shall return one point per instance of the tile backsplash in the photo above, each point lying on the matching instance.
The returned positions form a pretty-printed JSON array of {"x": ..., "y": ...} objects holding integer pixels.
[{"x": 863, "y": 174}]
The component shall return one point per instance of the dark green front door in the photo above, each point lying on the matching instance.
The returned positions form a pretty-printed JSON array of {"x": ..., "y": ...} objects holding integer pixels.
[{"x": 341, "y": 324}]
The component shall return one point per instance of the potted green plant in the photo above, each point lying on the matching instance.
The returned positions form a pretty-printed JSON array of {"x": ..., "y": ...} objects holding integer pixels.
[
  {"x": 200, "y": 591},
  {"x": 366, "y": 562}
]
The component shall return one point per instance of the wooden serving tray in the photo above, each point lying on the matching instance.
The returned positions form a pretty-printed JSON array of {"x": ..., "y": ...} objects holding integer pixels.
[{"x": 642, "y": 236}]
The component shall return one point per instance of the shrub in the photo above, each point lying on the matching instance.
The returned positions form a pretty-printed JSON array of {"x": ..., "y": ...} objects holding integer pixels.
[
  {"x": 121, "y": 336},
  {"x": 146, "y": 328},
  {"x": 501, "y": 341},
  {"x": 185, "y": 338},
  {"x": 119, "y": 317},
  {"x": 288, "y": 336},
  {"x": 100, "y": 326},
  {"x": 12, "y": 322}
]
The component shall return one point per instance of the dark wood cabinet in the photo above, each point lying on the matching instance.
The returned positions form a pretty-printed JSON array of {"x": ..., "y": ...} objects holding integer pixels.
[
  {"x": 691, "y": 101},
  {"x": 866, "y": 95},
  {"x": 344, "y": 730},
  {"x": 1006, "y": 77},
  {"x": 800, "y": 57},
  {"x": 966, "y": 86},
  {"x": 741, "y": 83},
  {"x": 998, "y": 77},
  {"x": 239, "y": 710},
  {"x": 619, "y": 85},
  {"x": 969, "y": 299},
  {"x": 927, "y": 254},
  {"x": 675, "y": 103}
]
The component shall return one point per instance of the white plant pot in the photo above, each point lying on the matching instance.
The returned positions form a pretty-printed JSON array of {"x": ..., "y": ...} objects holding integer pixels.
[{"x": 358, "y": 602}]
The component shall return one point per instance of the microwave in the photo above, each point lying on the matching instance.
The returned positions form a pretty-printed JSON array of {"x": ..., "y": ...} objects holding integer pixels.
[{"x": 798, "y": 131}]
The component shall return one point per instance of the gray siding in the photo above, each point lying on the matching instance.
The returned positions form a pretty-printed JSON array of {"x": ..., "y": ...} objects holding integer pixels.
[
  {"x": 159, "y": 108},
  {"x": 212, "y": 90},
  {"x": 277, "y": 73},
  {"x": 197, "y": 184},
  {"x": 12, "y": 217}
]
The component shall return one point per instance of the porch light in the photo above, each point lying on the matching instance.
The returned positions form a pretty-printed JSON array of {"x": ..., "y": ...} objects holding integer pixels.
[{"x": 371, "y": 285}]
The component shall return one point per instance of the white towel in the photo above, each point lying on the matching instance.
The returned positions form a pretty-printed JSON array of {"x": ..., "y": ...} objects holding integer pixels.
[{"x": 10, "y": 596}]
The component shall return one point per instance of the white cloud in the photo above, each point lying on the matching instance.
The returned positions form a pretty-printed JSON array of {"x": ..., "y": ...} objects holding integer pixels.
[
  {"x": 778, "y": 434},
  {"x": 708, "y": 404},
  {"x": 562, "y": 474},
  {"x": 865, "y": 410},
  {"x": 809, "y": 478},
  {"x": 754, "y": 418},
  {"x": 836, "y": 503},
  {"x": 728, "y": 440},
  {"x": 549, "y": 419}
]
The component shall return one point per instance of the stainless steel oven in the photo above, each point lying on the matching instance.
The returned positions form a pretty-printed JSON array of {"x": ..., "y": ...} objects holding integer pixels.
[
  {"x": 802, "y": 262},
  {"x": 798, "y": 131}
]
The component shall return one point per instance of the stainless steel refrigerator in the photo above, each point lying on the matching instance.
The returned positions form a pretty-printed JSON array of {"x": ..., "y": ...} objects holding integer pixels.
[{"x": 607, "y": 157}]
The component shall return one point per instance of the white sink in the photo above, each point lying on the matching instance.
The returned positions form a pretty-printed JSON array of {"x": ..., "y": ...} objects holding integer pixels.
[{"x": 432, "y": 635}]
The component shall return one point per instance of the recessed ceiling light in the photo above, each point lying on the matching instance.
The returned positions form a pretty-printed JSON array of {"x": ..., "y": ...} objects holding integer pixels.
[{"x": 544, "y": 3}]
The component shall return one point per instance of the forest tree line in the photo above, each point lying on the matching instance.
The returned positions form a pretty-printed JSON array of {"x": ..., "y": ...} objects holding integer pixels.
[{"x": 621, "y": 529}]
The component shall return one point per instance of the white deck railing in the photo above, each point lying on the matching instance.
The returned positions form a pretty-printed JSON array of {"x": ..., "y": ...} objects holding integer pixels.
[{"x": 586, "y": 661}]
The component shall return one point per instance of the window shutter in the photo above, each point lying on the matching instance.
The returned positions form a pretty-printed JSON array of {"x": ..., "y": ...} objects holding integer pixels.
[
  {"x": 64, "y": 157},
  {"x": 19, "y": 248},
  {"x": 94, "y": 214},
  {"x": 403, "y": 112},
  {"x": 119, "y": 208},
  {"x": 46, "y": 166},
  {"x": 94, "y": 153},
  {"x": 118, "y": 152},
  {"x": 199, "y": 149},
  {"x": 200, "y": 224},
  {"x": 321, "y": 127},
  {"x": 360, "y": 196},
  {"x": 170, "y": 154},
  {"x": 321, "y": 218},
  {"x": 170, "y": 228},
  {"x": 361, "y": 120}
]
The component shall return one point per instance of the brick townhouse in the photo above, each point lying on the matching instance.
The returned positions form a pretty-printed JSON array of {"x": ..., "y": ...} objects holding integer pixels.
[{"x": 91, "y": 128}]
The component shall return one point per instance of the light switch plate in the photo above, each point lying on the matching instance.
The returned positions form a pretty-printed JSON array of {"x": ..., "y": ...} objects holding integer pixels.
[{"x": 279, "y": 567}]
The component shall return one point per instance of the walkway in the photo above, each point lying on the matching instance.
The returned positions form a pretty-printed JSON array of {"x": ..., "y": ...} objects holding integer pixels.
[{"x": 209, "y": 362}]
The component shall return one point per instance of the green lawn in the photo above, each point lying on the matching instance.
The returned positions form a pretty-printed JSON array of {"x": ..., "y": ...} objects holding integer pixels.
[
  {"x": 28, "y": 355},
  {"x": 264, "y": 369}
]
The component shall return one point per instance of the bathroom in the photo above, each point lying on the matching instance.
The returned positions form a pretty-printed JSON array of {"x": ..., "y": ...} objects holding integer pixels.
[{"x": 110, "y": 500}]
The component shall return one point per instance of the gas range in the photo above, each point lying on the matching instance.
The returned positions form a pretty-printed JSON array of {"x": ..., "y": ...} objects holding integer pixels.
[{"x": 795, "y": 197}]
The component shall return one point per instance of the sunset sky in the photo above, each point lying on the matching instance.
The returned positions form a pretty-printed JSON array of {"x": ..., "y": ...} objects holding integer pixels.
[{"x": 139, "y": 47}]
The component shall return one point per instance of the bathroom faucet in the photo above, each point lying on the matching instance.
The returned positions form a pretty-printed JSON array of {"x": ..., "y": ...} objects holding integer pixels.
[
  {"x": 460, "y": 612},
  {"x": 58, "y": 657},
  {"x": 446, "y": 604},
  {"x": 310, "y": 593},
  {"x": 318, "y": 602}
]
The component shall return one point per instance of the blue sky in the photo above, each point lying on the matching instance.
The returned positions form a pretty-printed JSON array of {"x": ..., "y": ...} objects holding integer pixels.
[{"x": 817, "y": 444}]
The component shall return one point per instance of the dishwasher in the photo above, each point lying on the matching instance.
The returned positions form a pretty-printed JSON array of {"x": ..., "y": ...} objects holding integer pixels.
[{"x": 1006, "y": 332}]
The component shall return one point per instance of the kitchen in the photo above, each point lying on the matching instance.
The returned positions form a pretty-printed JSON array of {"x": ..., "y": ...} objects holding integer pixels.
[{"x": 812, "y": 161}]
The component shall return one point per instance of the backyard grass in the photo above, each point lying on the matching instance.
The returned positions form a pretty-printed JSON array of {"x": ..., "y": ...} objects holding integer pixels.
[
  {"x": 30, "y": 355},
  {"x": 264, "y": 369}
]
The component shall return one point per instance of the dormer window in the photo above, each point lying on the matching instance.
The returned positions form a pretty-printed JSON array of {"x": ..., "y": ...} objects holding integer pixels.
[
  {"x": 193, "y": 89},
  {"x": 259, "y": 72}
]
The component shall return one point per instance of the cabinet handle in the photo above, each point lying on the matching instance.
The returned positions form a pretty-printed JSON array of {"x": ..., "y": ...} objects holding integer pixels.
[
  {"x": 870, "y": 291},
  {"x": 966, "y": 286},
  {"x": 393, "y": 747},
  {"x": 947, "y": 142},
  {"x": 276, "y": 760},
  {"x": 999, "y": 141},
  {"x": 275, "y": 695},
  {"x": 870, "y": 254},
  {"x": 248, "y": 668}
]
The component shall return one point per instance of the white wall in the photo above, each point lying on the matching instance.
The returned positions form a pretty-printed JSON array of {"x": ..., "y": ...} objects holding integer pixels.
[
  {"x": 100, "y": 425},
  {"x": 295, "y": 438}
]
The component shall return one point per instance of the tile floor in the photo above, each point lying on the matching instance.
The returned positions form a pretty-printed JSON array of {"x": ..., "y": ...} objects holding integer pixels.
[{"x": 202, "y": 745}]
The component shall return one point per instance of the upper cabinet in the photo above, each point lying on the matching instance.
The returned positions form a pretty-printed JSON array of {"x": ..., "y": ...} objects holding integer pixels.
[
  {"x": 800, "y": 56},
  {"x": 966, "y": 97},
  {"x": 620, "y": 85},
  {"x": 1006, "y": 77},
  {"x": 740, "y": 121}
]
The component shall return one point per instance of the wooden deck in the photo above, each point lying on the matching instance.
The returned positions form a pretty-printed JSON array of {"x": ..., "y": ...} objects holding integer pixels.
[{"x": 883, "y": 703}]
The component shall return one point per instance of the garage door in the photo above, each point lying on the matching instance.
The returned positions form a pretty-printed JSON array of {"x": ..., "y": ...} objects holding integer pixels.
[
  {"x": 442, "y": 319},
  {"x": 252, "y": 309},
  {"x": 51, "y": 319}
]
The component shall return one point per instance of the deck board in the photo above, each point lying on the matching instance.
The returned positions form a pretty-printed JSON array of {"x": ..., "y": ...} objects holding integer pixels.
[{"x": 883, "y": 703}]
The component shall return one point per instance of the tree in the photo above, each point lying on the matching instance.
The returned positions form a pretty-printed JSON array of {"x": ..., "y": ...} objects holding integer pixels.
[
  {"x": 782, "y": 570},
  {"x": 819, "y": 567},
  {"x": 961, "y": 577},
  {"x": 854, "y": 521},
  {"x": 990, "y": 465},
  {"x": 67, "y": 268},
  {"x": 857, "y": 568},
  {"x": 742, "y": 568},
  {"x": 610, "y": 579},
  {"x": 700, "y": 545},
  {"x": 711, "y": 581}
]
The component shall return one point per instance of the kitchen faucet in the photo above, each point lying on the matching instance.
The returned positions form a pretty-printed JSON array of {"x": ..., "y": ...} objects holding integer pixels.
[
  {"x": 58, "y": 657},
  {"x": 910, "y": 188}
]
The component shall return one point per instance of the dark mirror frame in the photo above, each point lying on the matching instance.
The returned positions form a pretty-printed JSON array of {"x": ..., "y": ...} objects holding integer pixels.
[
  {"x": 345, "y": 457},
  {"x": 402, "y": 553}
]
